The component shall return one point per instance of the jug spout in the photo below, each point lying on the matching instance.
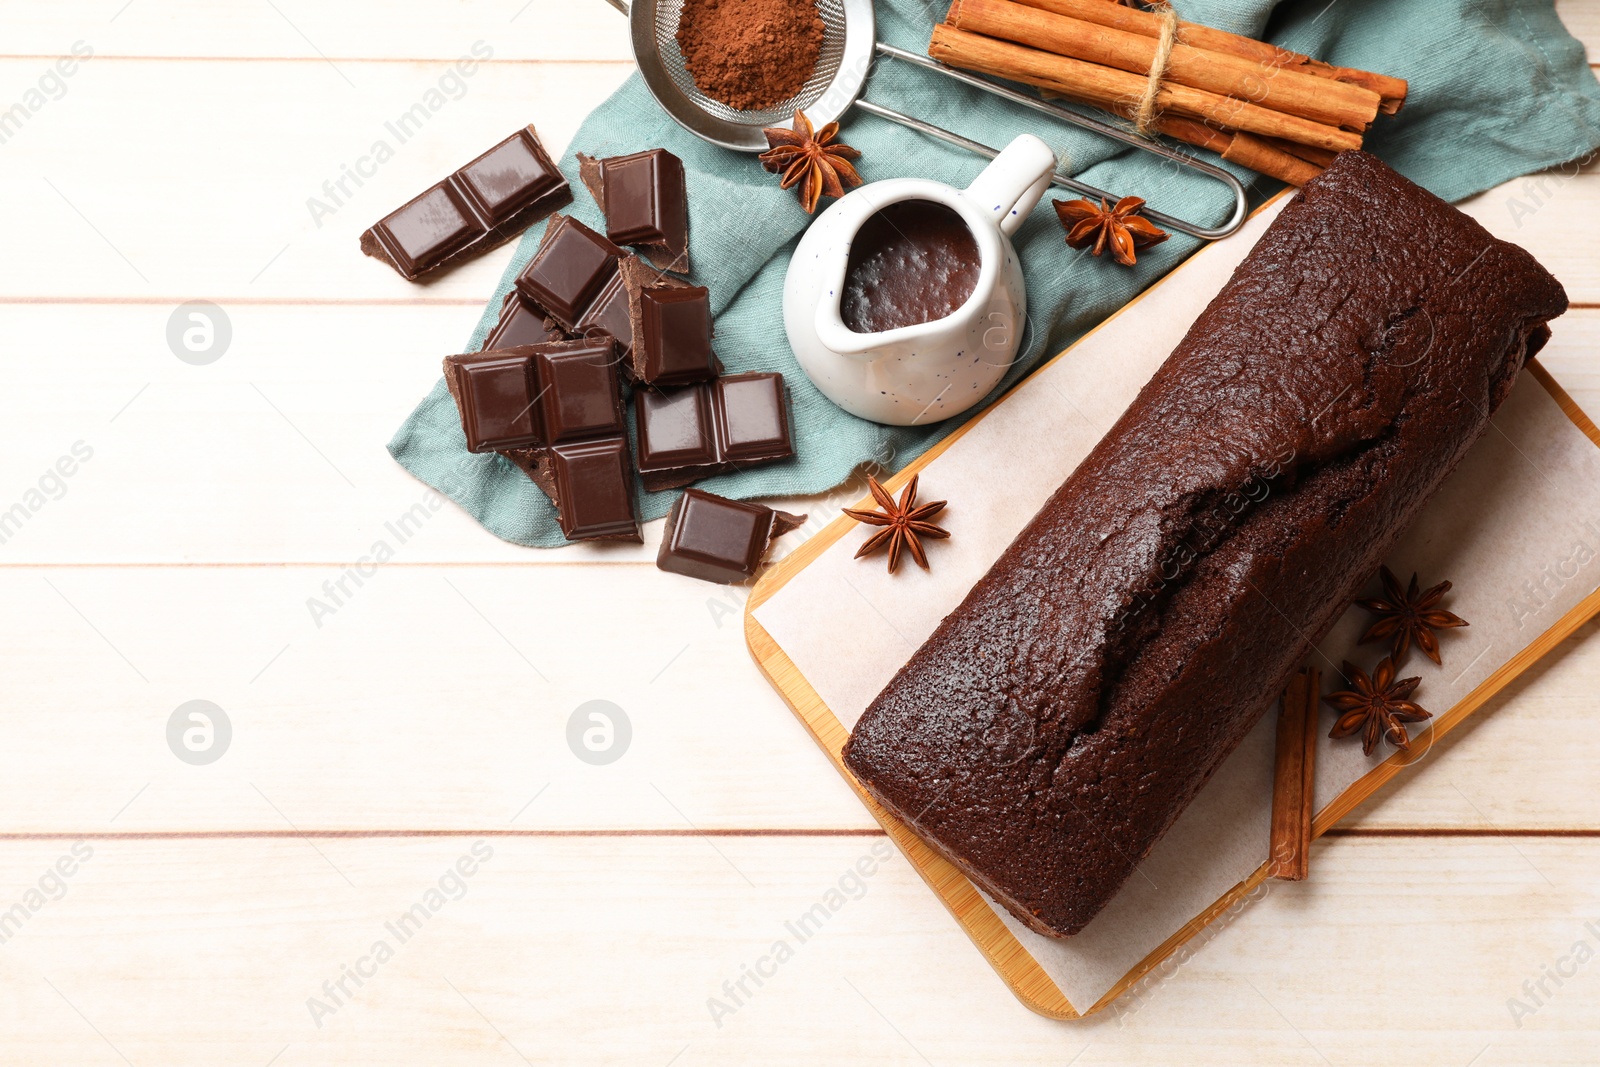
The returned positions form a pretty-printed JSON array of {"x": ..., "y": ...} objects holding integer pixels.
[{"x": 837, "y": 337}]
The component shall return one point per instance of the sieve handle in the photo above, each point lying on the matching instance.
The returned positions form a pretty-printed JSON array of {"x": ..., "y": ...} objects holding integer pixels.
[{"x": 620, "y": 5}]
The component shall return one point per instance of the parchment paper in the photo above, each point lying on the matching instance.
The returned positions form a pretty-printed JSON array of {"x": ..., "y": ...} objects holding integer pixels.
[{"x": 1516, "y": 527}]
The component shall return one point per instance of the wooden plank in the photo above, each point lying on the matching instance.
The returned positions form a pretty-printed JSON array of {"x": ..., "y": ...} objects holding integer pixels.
[
  {"x": 520, "y": 30},
  {"x": 1556, "y": 216},
  {"x": 176, "y": 446},
  {"x": 708, "y": 731},
  {"x": 274, "y": 453},
  {"x": 524, "y": 957},
  {"x": 1582, "y": 19},
  {"x": 134, "y": 185},
  {"x": 243, "y": 228},
  {"x": 363, "y": 29},
  {"x": 427, "y": 698}
]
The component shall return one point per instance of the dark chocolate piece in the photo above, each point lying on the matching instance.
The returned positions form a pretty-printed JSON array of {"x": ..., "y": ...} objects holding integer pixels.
[
  {"x": 495, "y": 393},
  {"x": 674, "y": 346},
  {"x": 646, "y": 203},
  {"x": 594, "y": 489},
  {"x": 678, "y": 350},
  {"x": 521, "y": 324},
  {"x": 701, "y": 430},
  {"x": 571, "y": 267},
  {"x": 752, "y": 418},
  {"x": 484, "y": 204},
  {"x": 719, "y": 540},
  {"x": 675, "y": 430},
  {"x": 555, "y": 410},
  {"x": 609, "y": 314},
  {"x": 579, "y": 392}
]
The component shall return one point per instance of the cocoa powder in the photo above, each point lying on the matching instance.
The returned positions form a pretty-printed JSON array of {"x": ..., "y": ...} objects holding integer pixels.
[{"x": 750, "y": 54}]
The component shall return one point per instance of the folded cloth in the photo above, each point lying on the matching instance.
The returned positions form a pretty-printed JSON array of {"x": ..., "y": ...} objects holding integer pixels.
[{"x": 1498, "y": 88}]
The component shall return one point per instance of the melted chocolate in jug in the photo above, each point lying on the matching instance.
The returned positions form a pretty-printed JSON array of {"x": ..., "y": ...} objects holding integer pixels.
[{"x": 915, "y": 261}]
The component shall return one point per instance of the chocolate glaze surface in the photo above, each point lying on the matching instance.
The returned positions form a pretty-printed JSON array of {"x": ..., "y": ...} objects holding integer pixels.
[
  {"x": 1057, "y": 722},
  {"x": 913, "y": 262}
]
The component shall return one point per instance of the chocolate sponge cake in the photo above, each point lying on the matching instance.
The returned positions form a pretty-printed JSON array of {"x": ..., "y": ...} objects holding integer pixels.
[{"x": 1056, "y": 723}]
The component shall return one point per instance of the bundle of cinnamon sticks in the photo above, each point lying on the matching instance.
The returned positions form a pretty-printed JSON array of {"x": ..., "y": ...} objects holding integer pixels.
[{"x": 1277, "y": 112}]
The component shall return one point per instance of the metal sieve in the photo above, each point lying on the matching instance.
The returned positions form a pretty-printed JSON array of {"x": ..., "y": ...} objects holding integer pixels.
[{"x": 848, "y": 50}]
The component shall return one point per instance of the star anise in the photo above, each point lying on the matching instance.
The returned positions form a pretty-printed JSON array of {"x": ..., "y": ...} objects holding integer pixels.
[
  {"x": 1120, "y": 227},
  {"x": 812, "y": 158},
  {"x": 1377, "y": 707},
  {"x": 904, "y": 523},
  {"x": 1409, "y": 616}
]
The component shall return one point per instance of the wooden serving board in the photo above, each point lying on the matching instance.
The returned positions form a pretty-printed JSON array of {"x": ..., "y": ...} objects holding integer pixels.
[{"x": 1538, "y": 411}]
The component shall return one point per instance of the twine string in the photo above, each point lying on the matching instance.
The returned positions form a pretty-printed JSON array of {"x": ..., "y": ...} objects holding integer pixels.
[{"x": 1144, "y": 115}]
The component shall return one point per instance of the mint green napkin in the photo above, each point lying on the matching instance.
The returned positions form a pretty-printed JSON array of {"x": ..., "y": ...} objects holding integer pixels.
[{"x": 1498, "y": 89}]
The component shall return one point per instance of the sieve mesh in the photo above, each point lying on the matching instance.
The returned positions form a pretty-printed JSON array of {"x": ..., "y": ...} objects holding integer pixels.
[{"x": 832, "y": 12}]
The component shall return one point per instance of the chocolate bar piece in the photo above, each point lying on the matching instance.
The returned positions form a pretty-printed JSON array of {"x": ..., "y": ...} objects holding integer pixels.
[
  {"x": 719, "y": 540},
  {"x": 484, "y": 204},
  {"x": 579, "y": 393},
  {"x": 674, "y": 345},
  {"x": 609, "y": 313},
  {"x": 669, "y": 316},
  {"x": 495, "y": 393},
  {"x": 668, "y": 327},
  {"x": 555, "y": 410},
  {"x": 645, "y": 201},
  {"x": 521, "y": 324},
  {"x": 700, "y": 430},
  {"x": 570, "y": 269},
  {"x": 594, "y": 490}
]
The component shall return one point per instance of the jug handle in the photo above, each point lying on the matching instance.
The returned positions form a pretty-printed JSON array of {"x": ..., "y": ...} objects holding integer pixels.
[{"x": 1013, "y": 182}]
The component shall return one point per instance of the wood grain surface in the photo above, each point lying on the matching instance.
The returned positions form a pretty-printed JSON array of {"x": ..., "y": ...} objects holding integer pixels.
[{"x": 429, "y": 712}]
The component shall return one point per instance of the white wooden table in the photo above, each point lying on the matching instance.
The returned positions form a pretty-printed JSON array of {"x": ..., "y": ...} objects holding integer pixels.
[{"x": 153, "y": 911}]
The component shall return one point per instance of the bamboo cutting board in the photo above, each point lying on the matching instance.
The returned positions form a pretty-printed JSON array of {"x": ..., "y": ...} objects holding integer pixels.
[{"x": 1543, "y": 453}]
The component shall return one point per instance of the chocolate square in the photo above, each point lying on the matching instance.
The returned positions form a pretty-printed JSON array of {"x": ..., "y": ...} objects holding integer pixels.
[
  {"x": 674, "y": 429},
  {"x": 719, "y": 540},
  {"x": 571, "y": 267},
  {"x": 594, "y": 489},
  {"x": 520, "y": 324},
  {"x": 646, "y": 203},
  {"x": 752, "y": 418},
  {"x": 495, "y": 395},
  {"x": 714, "y": 539},
  {"x": 423, "y": 233},
  {"x": 675, "y": 337},
  {"x": 579, "y": 392},
  {"x": 511, "y": 175},
  {"x": 609, "y": 314}
]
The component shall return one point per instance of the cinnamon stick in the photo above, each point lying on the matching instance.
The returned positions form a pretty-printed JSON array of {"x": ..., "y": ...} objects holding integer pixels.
[
  {"x": 1282, "y": 166},
  {"x": 1196, "y": 133},
  {"x": 1264, "y": 158},
  {"x": 1114, "y": 89},
  {"x": 1290, "y": 92},
  {"x": 1321, "y": 157},
  {"x": 1293, "y": 785},
  {"x": 1391, "y": 91}
]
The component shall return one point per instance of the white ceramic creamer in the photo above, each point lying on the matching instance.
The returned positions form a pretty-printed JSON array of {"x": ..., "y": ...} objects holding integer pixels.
[{"x": 921, "y": 373}]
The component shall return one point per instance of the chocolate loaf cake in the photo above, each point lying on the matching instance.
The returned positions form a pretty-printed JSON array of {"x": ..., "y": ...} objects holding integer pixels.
[{"x": 1062, "y": 717}]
